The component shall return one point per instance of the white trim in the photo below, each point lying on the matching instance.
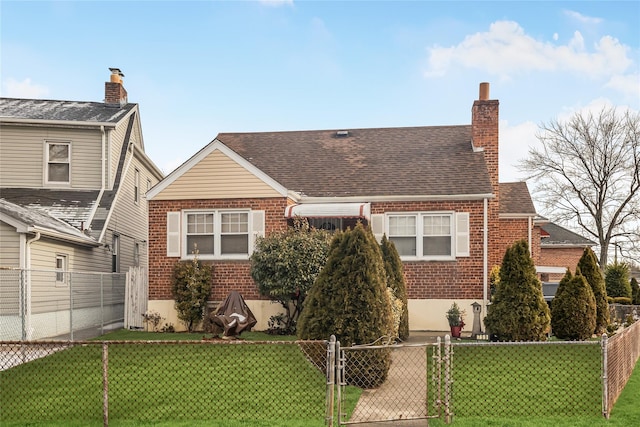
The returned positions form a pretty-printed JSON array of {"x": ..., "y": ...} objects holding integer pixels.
[
  {"x": 217, "y": 234},
  {"x": 298, "y": 198},
  {"x": 47, "y": 162},
  {"x": 551, "y": 270},
  {"x": 419, "y": 236},
  {"x": 200, "y": 155},
  {"x": 65, "y": 123}
]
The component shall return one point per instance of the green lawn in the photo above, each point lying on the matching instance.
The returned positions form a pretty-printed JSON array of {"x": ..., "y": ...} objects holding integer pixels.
[{"x": 189, "y": 383}]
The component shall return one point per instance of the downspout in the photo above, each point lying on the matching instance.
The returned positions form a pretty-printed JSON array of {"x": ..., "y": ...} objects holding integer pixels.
[
  {"x": 27, "y": 330},
  {"x": 530, "y": 236},
  {"x": 485, "y": 255}
]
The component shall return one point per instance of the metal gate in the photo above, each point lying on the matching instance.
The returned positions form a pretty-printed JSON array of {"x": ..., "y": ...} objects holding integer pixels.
[{"x": 403, "y": 383}]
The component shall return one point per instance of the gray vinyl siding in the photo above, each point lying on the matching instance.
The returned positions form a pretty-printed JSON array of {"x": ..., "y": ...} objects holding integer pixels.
[
  {"x": 22, "y": 156},
  {"x": 117, "y": 138},
  {"x": 9, "y": 246},
  {"x": 130, "y": 220},
  {"x": 80, "y": 258}
]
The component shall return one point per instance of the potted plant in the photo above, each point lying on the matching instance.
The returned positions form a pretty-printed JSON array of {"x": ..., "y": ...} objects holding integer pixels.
[{"x": 455, "y": 317}]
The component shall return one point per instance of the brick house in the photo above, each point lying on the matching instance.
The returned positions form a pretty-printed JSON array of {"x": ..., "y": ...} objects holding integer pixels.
[
  {"x": 432, "y": 190},
  {"x": 559, "y": 249}
]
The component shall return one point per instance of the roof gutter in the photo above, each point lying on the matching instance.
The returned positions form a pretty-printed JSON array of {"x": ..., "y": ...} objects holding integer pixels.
[
  {"x": 61, "y": 236},
  {"x": 298, "y": 198}
]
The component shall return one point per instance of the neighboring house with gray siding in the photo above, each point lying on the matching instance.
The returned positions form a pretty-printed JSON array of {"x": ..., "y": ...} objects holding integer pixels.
[{"x": 73, "y": 182}]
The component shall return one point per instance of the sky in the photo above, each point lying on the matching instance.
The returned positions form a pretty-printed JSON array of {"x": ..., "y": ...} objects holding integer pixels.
[{"x": 204, "y": 67}]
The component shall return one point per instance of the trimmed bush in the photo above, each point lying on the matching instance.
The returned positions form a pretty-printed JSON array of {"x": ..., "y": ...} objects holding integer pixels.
[
  {"x": 284, "y": 265},
  {"x": 349, "y": 300},
  {"x": 573, "y": 312},
  {"x": 395, "y": 281},
  {"x": 590, "y": 270},
  {"x": 616, "y": 278},
  {"x": 518, "y": 311},
  {"x": 191, "y": 285}
]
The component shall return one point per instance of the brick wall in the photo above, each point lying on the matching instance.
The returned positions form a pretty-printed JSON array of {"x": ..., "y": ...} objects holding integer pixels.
[
  {"x": 461, "y": 278},
  {"x": 227, "y": 275},
  {"x": 512, "y": 230},
  {"x": 560, "y": 257}
]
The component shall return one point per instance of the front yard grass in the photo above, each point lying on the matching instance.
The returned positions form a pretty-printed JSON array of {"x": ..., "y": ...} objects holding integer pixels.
[{"x": 169, "y": 384}]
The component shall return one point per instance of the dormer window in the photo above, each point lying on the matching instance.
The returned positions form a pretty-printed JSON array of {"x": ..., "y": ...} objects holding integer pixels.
[{"x": 58, "y": 162}]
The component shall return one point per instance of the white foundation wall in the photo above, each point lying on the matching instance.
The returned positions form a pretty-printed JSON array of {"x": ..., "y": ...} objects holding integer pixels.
[
  {"x": 261, "y": 309},
  {"x": 430, "y": 315},
  {"x": 424, "y": 315}
]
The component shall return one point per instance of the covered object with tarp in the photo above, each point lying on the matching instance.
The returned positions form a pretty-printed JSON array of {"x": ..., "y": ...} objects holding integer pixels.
[{"x": 232, "y": 317}]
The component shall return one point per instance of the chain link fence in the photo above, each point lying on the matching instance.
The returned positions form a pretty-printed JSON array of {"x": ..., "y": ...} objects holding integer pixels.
[
  {"x": 48, "y": 304},
  {"x": 623, "y": 352},
  {"x": 216, "y": 382},
  {"x": 309, "y": 382}
]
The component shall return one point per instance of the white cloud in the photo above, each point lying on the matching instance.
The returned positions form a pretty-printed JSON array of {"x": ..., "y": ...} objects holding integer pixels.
[
  {"x": 628, "y": 85},
  {"x": 582, "y": 18},
  {"x": 506, "y": 51},
  {"x": 515, "y": 142},
  {"x": 25, "y": 89}
]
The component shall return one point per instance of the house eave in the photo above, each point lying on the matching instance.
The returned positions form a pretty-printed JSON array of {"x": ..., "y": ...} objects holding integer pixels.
[{"x": 298, "y": 198}]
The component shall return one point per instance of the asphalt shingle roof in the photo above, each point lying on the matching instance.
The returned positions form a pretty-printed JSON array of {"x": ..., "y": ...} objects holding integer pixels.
[
  {"x": 559, "y": 236},
  {"x": 515, "y": 198},
  {"x": 410, "y": 161},
  {"x": 40, "y": 109}
]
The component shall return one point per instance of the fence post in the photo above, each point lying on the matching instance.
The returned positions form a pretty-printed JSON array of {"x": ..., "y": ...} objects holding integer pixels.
[
  {"x": 331, "y": 379},
  {"x": 605, "y": 382},
  {"x": 448, "y": 380},
  {"x": 71, "y": 307},
  {"x": 101, "y": 303},
  {"x": 105, "y": 384}
]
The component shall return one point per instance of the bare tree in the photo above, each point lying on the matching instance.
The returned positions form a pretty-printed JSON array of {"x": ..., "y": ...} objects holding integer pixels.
[{"x": 587, "y": 175}]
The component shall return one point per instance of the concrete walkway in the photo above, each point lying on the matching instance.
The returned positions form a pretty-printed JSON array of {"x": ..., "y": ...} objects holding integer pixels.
[{"x": 403, "y": 395}]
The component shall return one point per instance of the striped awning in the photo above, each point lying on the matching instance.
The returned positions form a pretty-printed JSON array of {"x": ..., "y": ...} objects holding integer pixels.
[{"x": 329, "y": 210}]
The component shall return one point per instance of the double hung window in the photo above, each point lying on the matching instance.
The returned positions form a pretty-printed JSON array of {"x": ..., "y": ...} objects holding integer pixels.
[
  {"x": 423, "y": 235},
  {"x": 58, "y": 163},
  {"x": 217, "y": 233}
]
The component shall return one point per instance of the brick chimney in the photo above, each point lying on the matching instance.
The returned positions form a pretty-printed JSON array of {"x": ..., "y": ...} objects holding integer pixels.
[
  {"x": 484, "y": 136},
  {"x": 114, "y": 92},
  {"x": 484, "y": 131}
]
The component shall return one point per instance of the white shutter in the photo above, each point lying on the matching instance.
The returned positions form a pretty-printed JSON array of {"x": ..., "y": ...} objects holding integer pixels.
[
  {"x": 173, "y": 234},
  {"x": 377, "y": 226},
  {"x": 462, "y": 234},
  {"x": 257, "y": 226}
]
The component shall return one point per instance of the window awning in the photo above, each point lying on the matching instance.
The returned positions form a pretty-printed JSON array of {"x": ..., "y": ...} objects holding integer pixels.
[{"x": 329, "y": 210}]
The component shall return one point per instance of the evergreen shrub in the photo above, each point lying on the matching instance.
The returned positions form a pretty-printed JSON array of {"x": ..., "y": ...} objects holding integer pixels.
[
  {"x": 518, "y": 311},
  {"x": 635, "y": 291},
  {"x": 349, "y": 300},
  {"x": 590, "y": 270},
  {"x": 395, "y": 281},
  {"x": 573, "y": 311},
  {"x": 616, "y": 277}
]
